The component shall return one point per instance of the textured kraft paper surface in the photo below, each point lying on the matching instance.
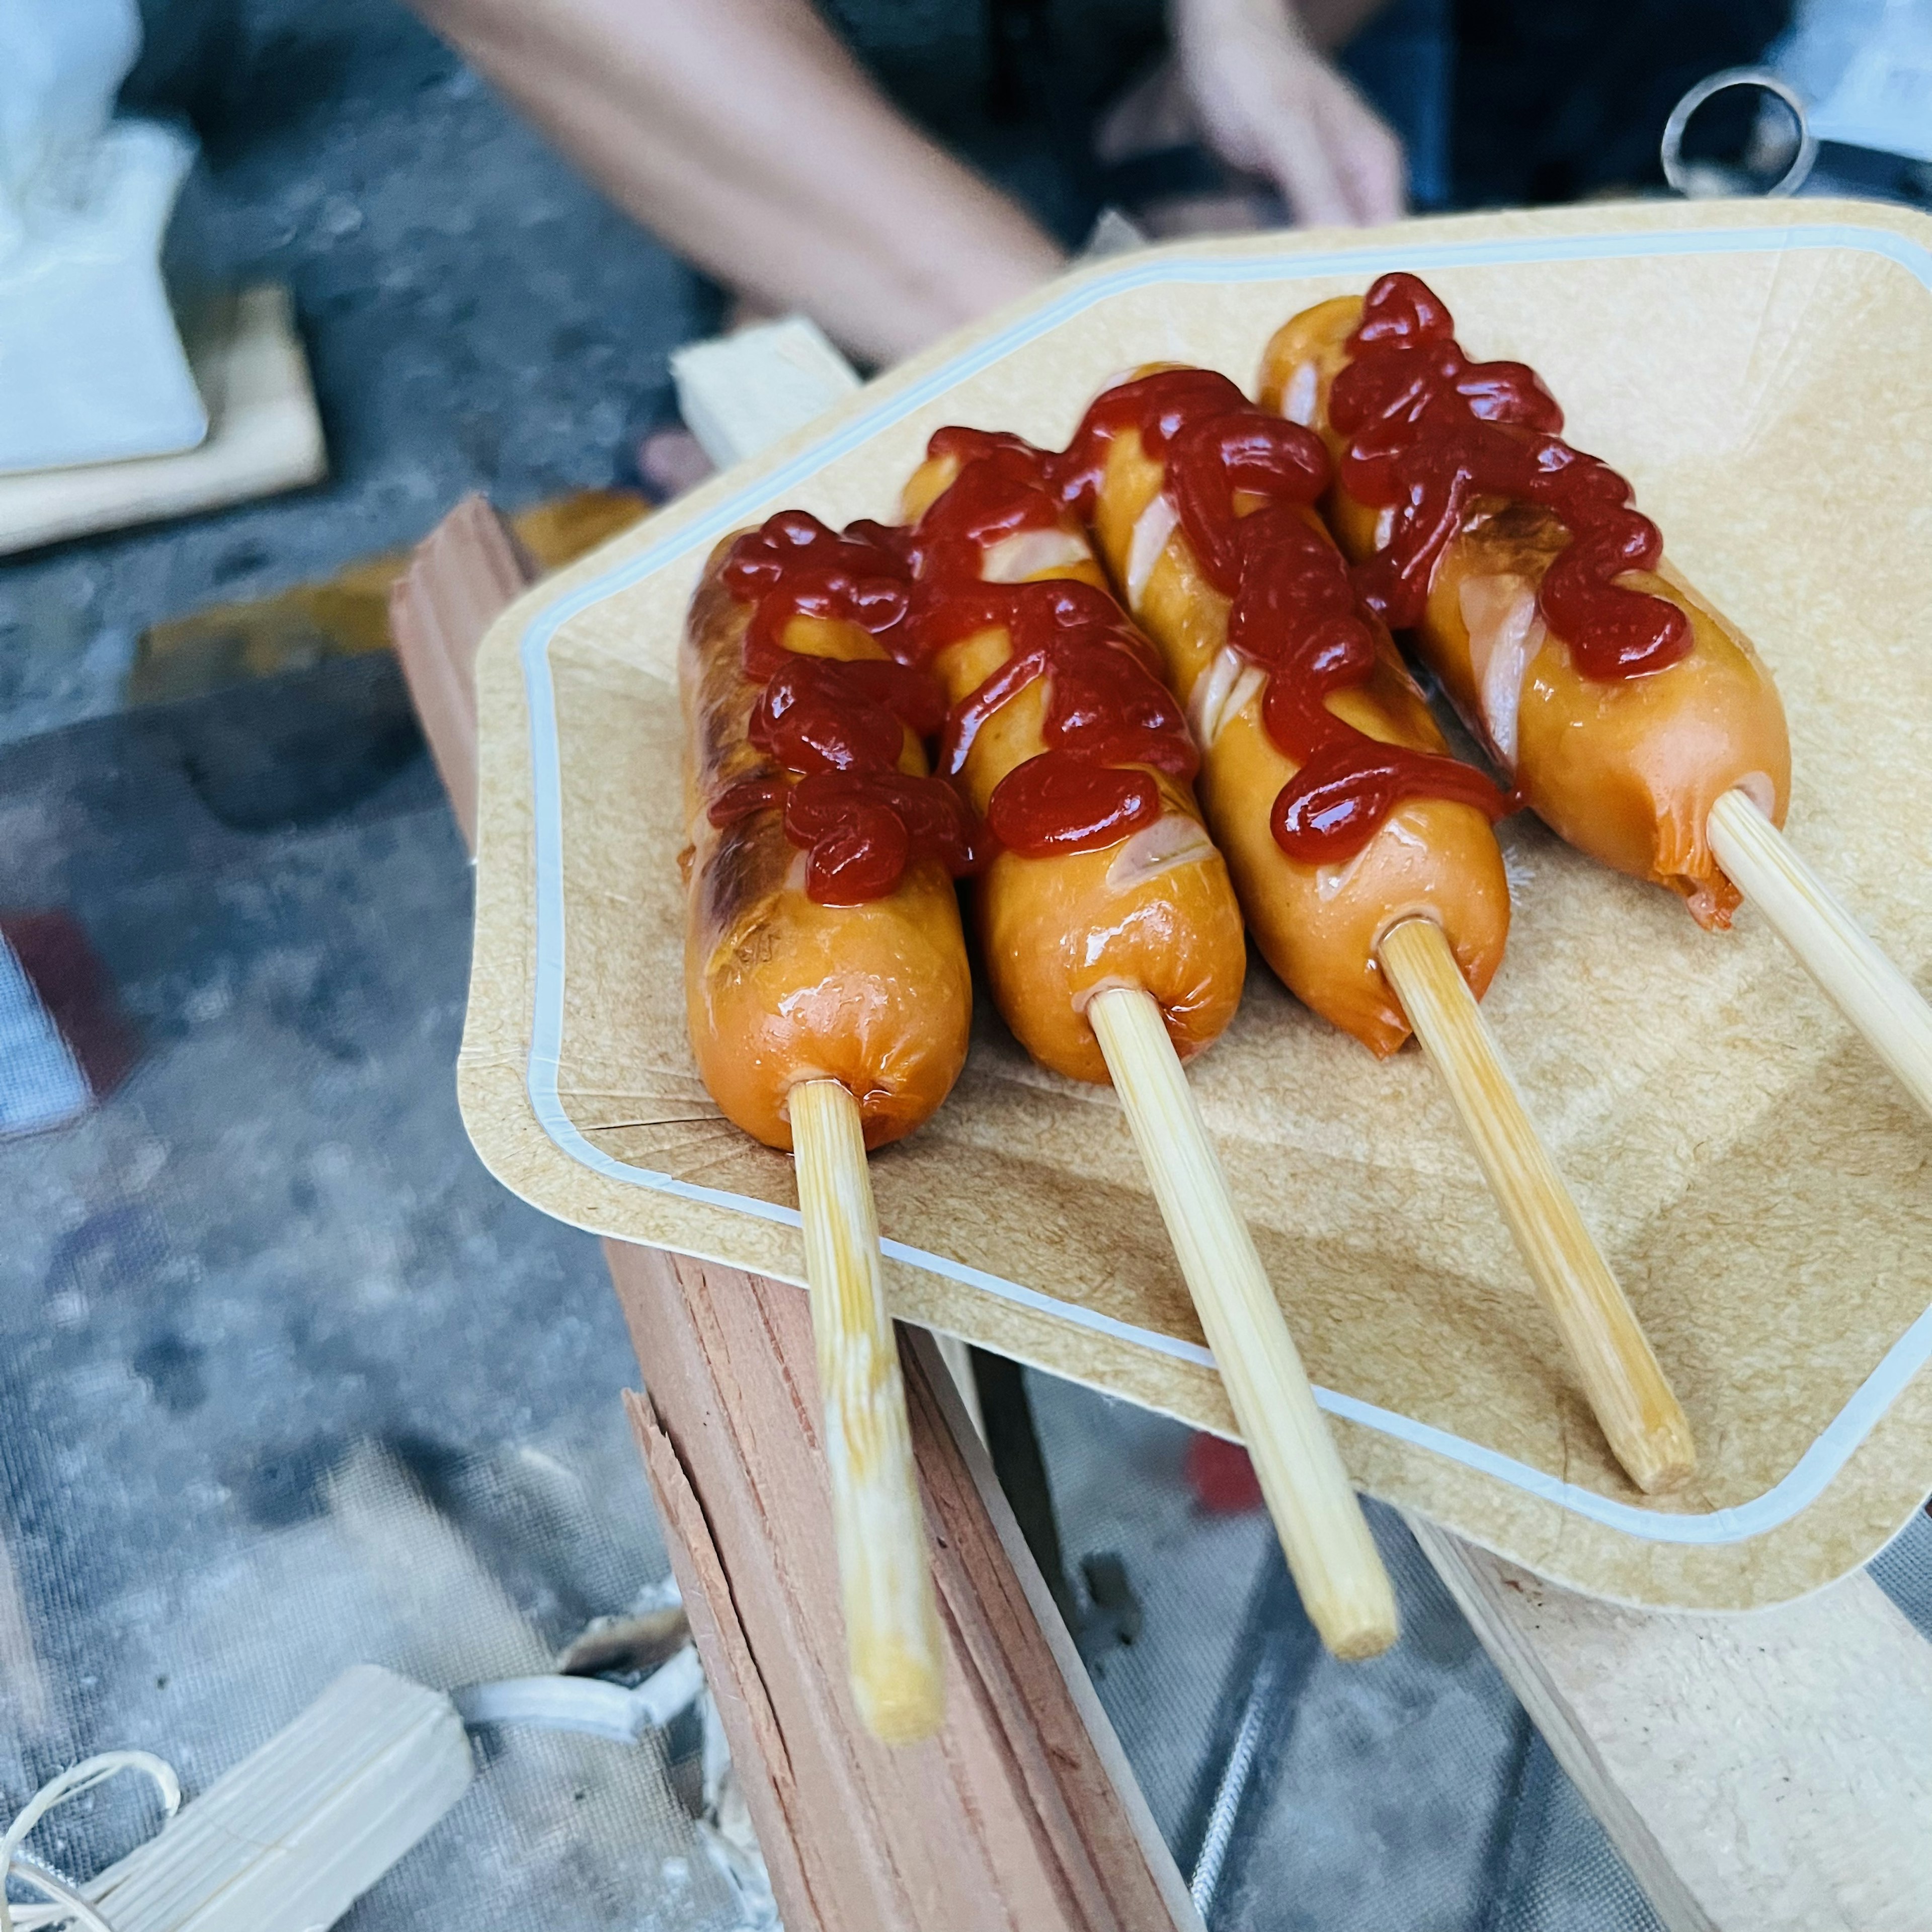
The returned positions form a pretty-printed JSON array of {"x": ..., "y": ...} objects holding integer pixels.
[{"x": 1760, "y": 1185}]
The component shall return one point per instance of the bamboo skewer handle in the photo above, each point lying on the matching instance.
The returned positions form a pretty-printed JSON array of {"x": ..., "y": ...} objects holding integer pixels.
[
  {"x": 1633, "y": 1401},
  {"x": 1344, "y": 1588},
  {"x": 1867, "y": 988},
  {"x": 892, "y": 1623}
]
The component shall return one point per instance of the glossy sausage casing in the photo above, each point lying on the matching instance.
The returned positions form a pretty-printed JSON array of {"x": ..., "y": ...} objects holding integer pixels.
[
  {"x": 1318, "y": 926},
  {"x": 779, "y": 988},
  {"x": 1625, "y": 768},
  {"x": 1155, "y": 911}
]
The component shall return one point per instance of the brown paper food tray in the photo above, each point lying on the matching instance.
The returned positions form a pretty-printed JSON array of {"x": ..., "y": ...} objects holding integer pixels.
[{"x": 1759, "y": 1184}]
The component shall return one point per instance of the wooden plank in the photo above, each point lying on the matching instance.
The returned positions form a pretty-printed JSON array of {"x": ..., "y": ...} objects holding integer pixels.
[
  {"x": 463, "y": 572},
  {"x": 737, "y": 393},
  {"x": 1009, "y": 1818},
  {"x": 1021, "y": 1813},
  {"x": 758, "y": 1754},
  {"x": 1770, "y": 1772},
  {"x": 951, "y": 1395}
]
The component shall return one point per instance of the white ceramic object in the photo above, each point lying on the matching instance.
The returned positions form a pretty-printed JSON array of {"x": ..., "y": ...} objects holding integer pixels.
[{"x": 91, "y": 366}]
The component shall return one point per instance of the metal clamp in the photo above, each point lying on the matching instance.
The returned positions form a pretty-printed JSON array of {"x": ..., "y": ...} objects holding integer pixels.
[{"x": 1671, "y": 151}]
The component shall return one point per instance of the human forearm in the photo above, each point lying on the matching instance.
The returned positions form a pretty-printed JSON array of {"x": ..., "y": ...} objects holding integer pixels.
[{"x": 743, "y": 134}]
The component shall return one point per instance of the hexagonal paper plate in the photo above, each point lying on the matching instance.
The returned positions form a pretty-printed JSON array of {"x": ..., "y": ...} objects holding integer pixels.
[{"x": 1762, "y": 1189}]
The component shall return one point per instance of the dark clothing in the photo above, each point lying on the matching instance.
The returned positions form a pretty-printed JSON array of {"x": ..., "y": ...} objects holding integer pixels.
[
  {"x": 1499, "y": 102},
  {"x": 1561, "y": 100}
]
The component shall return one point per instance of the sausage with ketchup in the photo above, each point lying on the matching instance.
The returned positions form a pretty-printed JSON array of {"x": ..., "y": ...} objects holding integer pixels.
[
  {"x": 1063, "y": 735},
  {"x": 822, "y": 935},
  {"x": 1622, "y": 704},
  {"x": 1324, "y": 775}
]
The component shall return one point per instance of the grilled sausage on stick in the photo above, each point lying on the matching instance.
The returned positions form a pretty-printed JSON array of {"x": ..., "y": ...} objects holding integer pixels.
[
  {"x": 1111, "y": 937},
  {"x": 1362, "y": 852},
  {"x": 1636, "y": 719},
  {"x": 1623, "y": 706},
  {"x": 828, "y": 993},
  {"x": 1325, "y": 777}
]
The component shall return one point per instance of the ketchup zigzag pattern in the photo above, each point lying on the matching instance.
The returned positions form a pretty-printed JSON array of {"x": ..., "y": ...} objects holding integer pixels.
[
  {"x": 1294, "y": 613},
  {"x": 1111, "y": 721},
  {"x": 1429, "y": 432},
  {"x": 835, "y": 726}
]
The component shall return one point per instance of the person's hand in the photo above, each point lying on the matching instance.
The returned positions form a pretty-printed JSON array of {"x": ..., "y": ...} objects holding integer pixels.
[{"x": 1270, "y": 104}]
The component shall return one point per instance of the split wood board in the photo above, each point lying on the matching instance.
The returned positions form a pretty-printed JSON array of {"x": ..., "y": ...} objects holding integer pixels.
[{"x": 1761, "y": 1187}]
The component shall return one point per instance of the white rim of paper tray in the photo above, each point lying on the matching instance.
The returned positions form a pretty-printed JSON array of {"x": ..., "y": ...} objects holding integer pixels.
[{"x": 1835, "y": 1445}]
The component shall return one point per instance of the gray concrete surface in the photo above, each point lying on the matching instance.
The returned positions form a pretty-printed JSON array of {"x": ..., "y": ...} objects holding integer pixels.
[{"x": 288, "y": 1382}]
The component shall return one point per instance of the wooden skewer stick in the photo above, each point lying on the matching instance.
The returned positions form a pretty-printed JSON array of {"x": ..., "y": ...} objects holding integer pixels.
[
  {"x": 1333, "y": 1557},
  {"x": 892, "y": 1623},
  {"x": 1633, "y": 1401},
  {"x": 1867, "y": 988}
]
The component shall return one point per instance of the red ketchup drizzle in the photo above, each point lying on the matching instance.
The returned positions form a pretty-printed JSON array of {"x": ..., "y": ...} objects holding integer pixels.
[
  {"x": 1294, "y": 612},
  {"x": 1108, "y": 710},
  {"x": 836, "y": 725},
  {"x": 1428, "y": 430}
]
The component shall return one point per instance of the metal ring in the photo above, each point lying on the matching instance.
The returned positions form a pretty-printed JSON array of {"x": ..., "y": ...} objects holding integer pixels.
[{"x": 1671, "y": 151}]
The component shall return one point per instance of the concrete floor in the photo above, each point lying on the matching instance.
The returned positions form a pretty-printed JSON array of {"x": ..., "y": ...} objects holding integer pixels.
[{"x": 289, "y": 1382}]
